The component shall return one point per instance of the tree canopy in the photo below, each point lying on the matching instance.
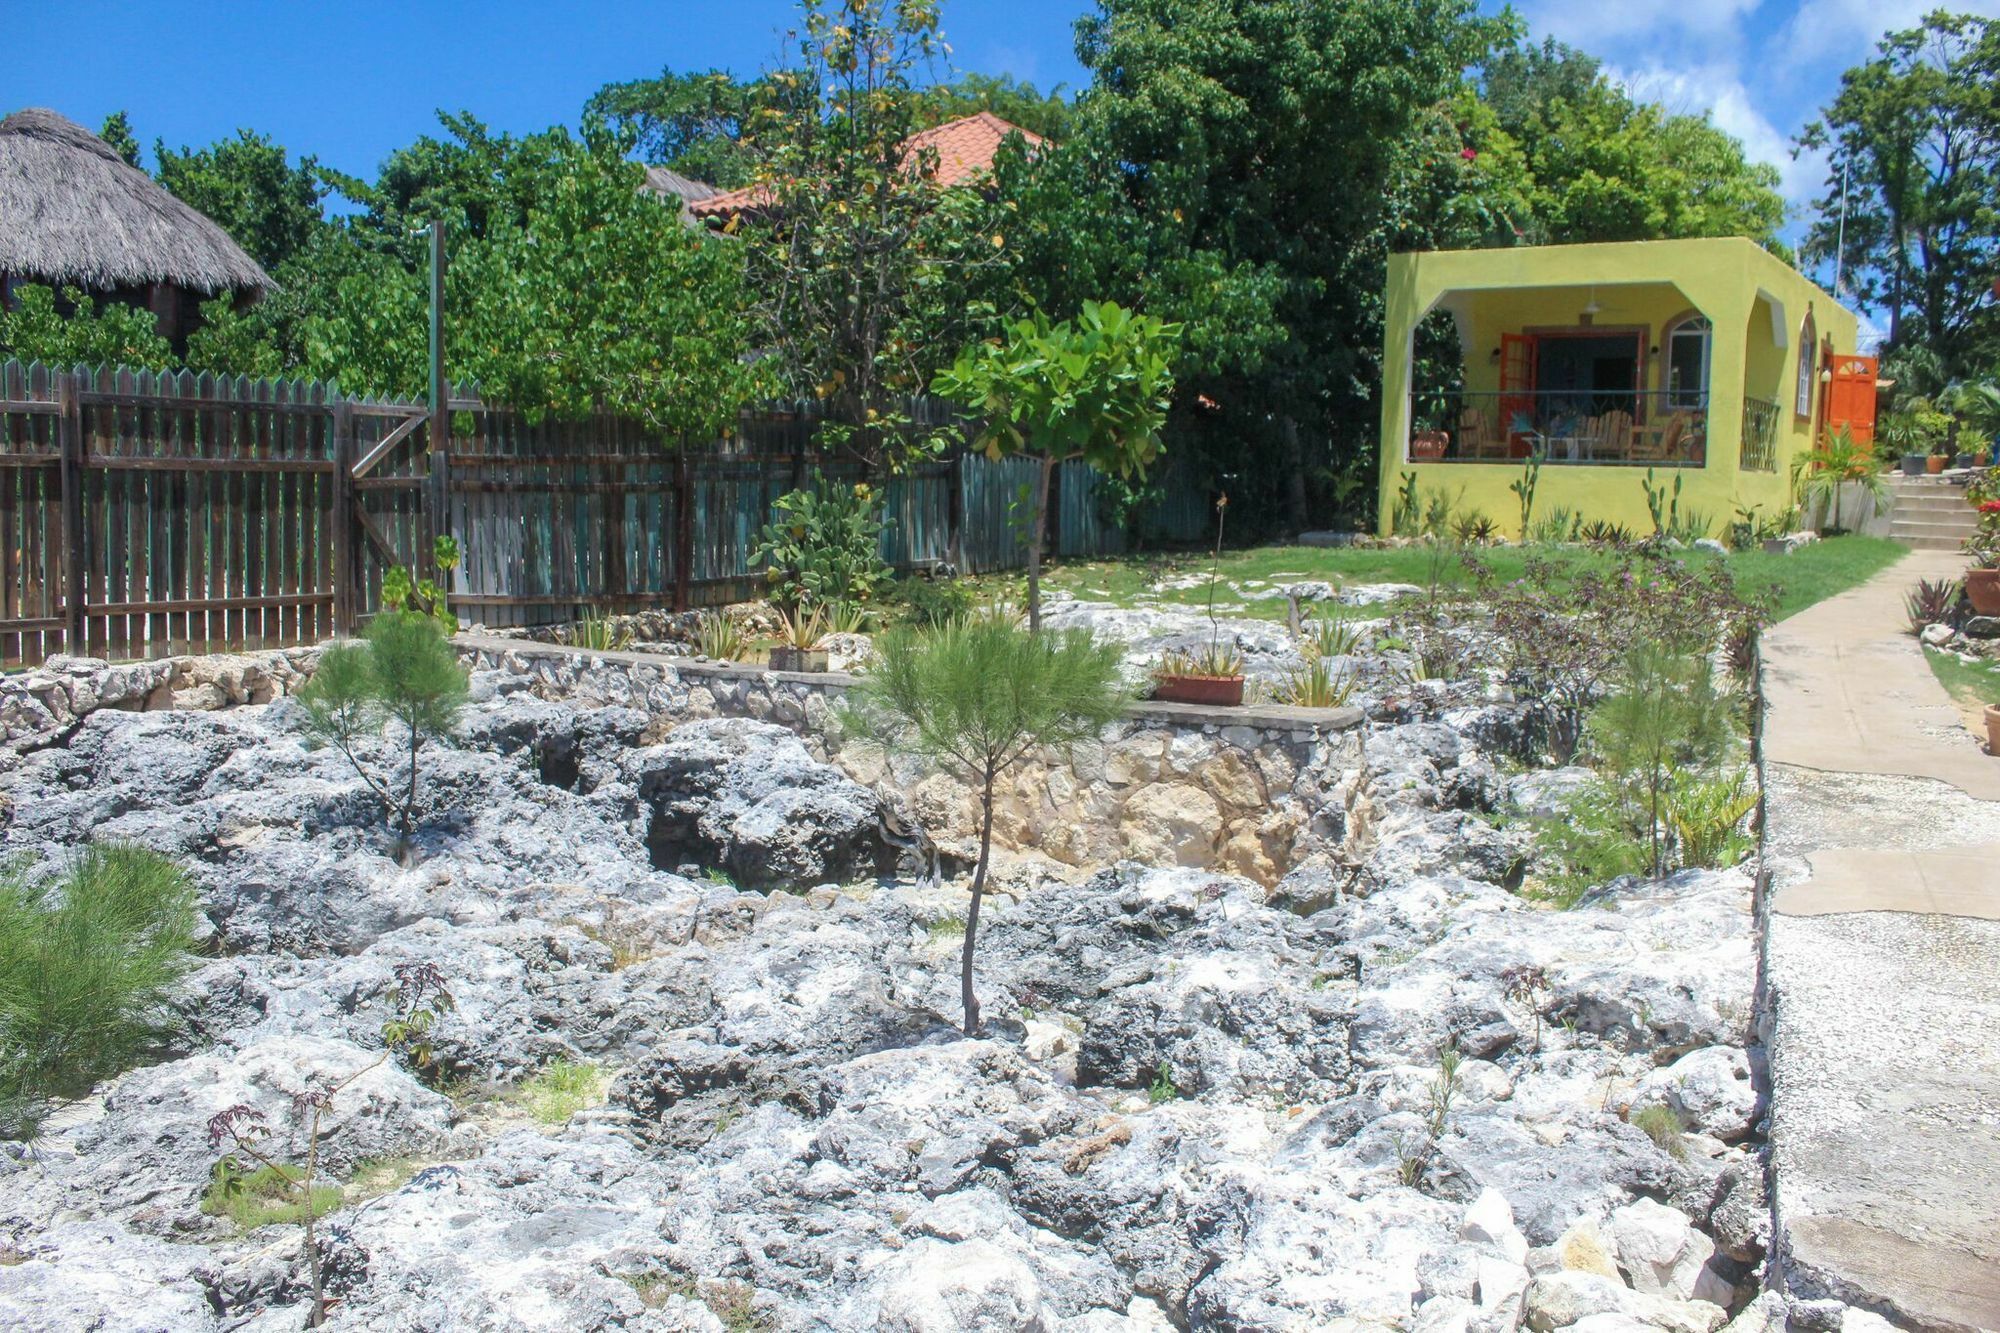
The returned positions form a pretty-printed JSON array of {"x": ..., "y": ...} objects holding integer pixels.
[
  {"x": 1239, "y": 168},
  {"x": 1913, "y": 142}
]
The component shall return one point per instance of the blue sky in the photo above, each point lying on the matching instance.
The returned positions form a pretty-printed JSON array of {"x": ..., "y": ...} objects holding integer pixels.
[{"x": 350, "y": 82}]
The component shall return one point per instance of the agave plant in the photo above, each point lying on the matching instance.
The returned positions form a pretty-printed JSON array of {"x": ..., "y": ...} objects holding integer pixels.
[
  {"x": 846, "y": 618},
  {"x": 1316, "y": 684},
  {"x": 1332, "y": 635},
  {"x": 718, "y": 637},
  {"x": 1932, "y": 602},
  {"x": 596, "y": 633},
  {"x": 802, "y": 629}
]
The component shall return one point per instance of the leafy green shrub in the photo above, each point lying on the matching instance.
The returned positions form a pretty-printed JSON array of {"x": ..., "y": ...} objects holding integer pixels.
[
  {"x": 266, "y": 1196},
  {"x": 86, "y": 964},
  {"x": 1589, "y": 842},
  {"x": 404, "y": 672},
  {"x": 1706, "y": 815},
  {"x": 561, "y": 1089},
  {"x": 1665, "y": 716},
  {"x": 824, "y": 546},
  {"x": 979, "y": 696},
  {"x": 595, "y": 633},
  {"x": 931, "y": 602},
  {"x": 35, "y": 327}
]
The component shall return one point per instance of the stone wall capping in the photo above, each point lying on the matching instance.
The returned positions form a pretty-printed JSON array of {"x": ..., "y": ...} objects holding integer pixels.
[{"x": 1301, "y": 723}]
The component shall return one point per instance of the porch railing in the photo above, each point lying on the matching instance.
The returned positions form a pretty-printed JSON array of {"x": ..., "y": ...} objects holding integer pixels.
[
  {"x": 1583, "y": 427},
  {"x": 1759, "y": 452}
]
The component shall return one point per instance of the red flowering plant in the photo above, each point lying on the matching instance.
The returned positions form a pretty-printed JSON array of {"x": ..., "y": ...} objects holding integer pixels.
[{"x": 1983, "y": 493}]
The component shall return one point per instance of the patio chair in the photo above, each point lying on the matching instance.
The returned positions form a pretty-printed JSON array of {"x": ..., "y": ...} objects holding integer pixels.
[
  {"x": 1477, "y": 437},
  {"x": 1663, "y": 444},
  {"x": 1611, "y": 435}
]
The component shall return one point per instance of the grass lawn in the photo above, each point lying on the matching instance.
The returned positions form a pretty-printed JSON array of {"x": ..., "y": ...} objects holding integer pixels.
[
  {"x": 1809, "y": 575},
  {"x": 1971, "y": 685}
]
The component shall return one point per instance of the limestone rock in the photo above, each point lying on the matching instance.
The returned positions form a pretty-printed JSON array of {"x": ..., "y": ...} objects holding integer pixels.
[{"x": 1710, "y": 1089}]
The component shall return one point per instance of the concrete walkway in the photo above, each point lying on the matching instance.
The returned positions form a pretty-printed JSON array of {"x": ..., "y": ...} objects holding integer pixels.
[{"x": 1882, "y": 968}]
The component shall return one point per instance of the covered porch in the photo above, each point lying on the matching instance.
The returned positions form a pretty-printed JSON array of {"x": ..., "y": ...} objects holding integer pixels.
[{"x": 1697, "y": 356}]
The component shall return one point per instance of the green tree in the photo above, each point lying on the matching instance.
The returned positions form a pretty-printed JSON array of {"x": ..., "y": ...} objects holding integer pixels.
[
  {"x": 1095, "y": 388},
  {"x": 693, "y": 123},
  {"x": 404, "y": 673},
  {"x": 1220, "y": 112},
  {"x": 247, "y": 184},
  {"x": 86, "y": 965},
  {"x": 117, "y": 135},
  {"x": 841, "y": 254},
  {"x": 1604, "y": 167},
  {"x": 980, "y": 696},
  {"x": 602, "y": 298},
  {"x": 1914, "y": 138},
  {"x": 1017, "y": 103},
  {"x": 74, "y": 329}
]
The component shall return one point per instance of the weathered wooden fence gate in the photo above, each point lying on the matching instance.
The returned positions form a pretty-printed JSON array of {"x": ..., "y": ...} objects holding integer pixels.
[{"x": 146, "y": 514}]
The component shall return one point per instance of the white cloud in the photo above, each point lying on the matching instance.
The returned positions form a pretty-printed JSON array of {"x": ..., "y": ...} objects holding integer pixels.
[
  {"x": 1598, "y": 26},
  {"x": 1717, "y": 91},
  {"x": 1849, "y": 29}
]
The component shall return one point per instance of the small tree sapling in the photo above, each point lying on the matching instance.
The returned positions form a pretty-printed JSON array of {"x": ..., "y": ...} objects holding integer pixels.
[{"x": 979, "y": 696}]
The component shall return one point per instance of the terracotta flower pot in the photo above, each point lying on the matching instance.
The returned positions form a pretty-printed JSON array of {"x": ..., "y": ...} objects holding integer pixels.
[
  {"x": 1213, "y": 691},
  {"x": 1982, "y": 589},
  {"x": 1429, "y": 444},
  {"x": 1935, "y": 464},
  {"x": 1993, "y": 729}
]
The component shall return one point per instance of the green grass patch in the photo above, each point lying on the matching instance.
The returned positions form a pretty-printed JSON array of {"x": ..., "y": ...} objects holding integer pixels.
[
  {"x": 267, "y": 1196},
  {"x": 1973, "y": 683},
  {"x": 1808, "y": 575},
  {"x": 561, "y": 1089},
  {"x": 1662, "y": 1124}
]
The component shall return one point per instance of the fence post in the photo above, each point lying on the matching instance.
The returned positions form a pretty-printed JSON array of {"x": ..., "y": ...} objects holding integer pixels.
[
  {"x": 75, "y": 553},
  {"x": 345, "y": 579},
  {"x": 954, "y": 512},
  {"x": 683, "y": 531},
  {"x": 1052, "y": 532}
]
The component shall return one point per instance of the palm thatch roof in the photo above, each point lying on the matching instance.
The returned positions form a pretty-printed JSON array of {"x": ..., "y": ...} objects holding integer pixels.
[{"x": 72, "y": 211}]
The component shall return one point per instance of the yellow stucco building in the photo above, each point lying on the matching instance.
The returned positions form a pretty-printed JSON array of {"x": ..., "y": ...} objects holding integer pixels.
[{"x": 1709, "y": 360}]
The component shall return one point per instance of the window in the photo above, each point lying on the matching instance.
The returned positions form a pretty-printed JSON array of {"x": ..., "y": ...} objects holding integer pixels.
[
  {"x": 1687, "y": 363},
  {"x": 1802, "y": 403}
]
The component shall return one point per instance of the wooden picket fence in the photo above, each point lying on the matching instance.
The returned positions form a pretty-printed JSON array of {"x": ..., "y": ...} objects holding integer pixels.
[{"x": 146, "y": 514}]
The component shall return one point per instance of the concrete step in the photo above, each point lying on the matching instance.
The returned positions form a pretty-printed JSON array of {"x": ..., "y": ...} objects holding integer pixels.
[
  {"x": 1913, "y": 527},
  {"x": 1927, "y": 543},
  {"x": 1955, "y": 501},
  {"x": 1933, "y": 520}
]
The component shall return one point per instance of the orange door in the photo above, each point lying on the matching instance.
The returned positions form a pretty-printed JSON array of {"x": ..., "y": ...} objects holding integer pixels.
[{"x": 1850, "y": 397}]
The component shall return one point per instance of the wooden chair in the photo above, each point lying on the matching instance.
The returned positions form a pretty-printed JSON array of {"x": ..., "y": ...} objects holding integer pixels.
[
  {"x": 1658, "y": 446},
  {"x": 1611, "y": 435},
  {"x": 1477, "y": 436}
]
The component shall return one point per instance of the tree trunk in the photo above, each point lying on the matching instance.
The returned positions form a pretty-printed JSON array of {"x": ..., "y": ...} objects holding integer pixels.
[
  {"x": 1295, "y": 479},
  {"x": 1035, "y": 537},
  {"x": 970, "y": 1000}
]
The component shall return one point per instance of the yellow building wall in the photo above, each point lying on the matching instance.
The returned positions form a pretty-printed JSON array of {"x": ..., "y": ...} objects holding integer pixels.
[{"x": 1755, "y": 303}]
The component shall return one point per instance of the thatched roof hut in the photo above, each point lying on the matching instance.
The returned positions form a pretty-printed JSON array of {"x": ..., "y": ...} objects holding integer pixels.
[{"x": 73, "y": 213}]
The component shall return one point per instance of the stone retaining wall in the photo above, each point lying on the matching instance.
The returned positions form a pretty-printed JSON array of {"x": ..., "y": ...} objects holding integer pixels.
[{"x": 1246, "y": 790}]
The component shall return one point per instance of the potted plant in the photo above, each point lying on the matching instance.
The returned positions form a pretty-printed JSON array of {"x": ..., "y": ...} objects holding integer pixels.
[
  {"x": 1940, "y": 455},
  {"x": 1213, "y": 677},
  {"x": 1428, "y": 446},
  {"x": 801, "y": 633},
  {"x": 1982, "y": 581}
]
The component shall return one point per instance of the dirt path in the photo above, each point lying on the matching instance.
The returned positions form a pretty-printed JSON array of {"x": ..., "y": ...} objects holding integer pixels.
[{"x": 1883, "y": 967}]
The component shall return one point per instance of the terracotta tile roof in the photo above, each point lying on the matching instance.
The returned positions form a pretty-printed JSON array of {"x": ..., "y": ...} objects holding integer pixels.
[{"x": 965, "y": 149}]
